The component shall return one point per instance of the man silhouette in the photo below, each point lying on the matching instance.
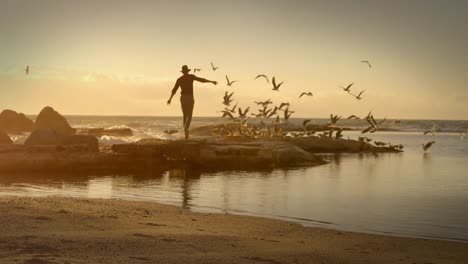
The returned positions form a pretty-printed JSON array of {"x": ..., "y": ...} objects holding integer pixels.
[{"x": 185, "y": 82}]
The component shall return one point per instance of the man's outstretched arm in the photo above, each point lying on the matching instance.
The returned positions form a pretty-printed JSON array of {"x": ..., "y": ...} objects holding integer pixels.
[
  {"x": 174, "y": 90},
  {"x": 205, "y": 80}
]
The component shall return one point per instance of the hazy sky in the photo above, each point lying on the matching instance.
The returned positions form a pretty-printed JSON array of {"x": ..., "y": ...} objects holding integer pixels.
[{"x": 123, "y": 57}]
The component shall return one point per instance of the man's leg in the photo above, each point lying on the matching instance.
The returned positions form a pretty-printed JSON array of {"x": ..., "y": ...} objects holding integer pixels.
[
  {"x": 189, "y": 118},
  {"x": 187, "y": 110}
]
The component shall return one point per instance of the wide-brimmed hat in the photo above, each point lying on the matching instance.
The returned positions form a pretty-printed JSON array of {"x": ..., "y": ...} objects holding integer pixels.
[{"x": 185, "y": 69}]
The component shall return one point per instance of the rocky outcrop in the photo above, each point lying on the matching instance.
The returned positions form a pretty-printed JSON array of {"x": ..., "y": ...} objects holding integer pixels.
[
  {"x": 43, "y": 137},
  {"x": 5, "y": 139},
  {"x": 49, "y": 118},
  {"x": 83, "y": 142},
  {"x": 222, "y": 154},
  {"x": 12, "y": 122},
  {"x": 331, "y": 145},
  {"x": 50, "y": 137},
  {"x": 47, "y": 150}
]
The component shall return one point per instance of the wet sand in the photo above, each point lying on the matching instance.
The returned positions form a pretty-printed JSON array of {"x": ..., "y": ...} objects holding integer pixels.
[{"x": 71, "y": 230}]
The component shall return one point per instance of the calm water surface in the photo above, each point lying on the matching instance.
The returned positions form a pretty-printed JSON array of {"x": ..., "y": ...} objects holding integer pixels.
[{"x": 409, "y": 194}]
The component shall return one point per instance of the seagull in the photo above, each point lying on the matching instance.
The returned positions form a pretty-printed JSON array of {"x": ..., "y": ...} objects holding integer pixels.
[
  {"x": 427, "y": 145},
  {"x": 367, "y": 62},
  {"x": 276, "y": 86},
  {"x": 304, "y": 93},
  {"x": 435, "y": 128},
  {"x": 338, "y": 133},
  {"x": 231, "y": 110},
  {"x": 353, "y": 117},
  {"x": 396, "y": 122},
  {"x": 287, "y": 113},
  {"x": 27, "y": 70},
  {"x": 227, "y": 98},
  {"x": 263, "y": 76},
  {"x": 273, "y": 112},
  {"x": 348, "y": 88},
  {"x": 213, "y": 67},
  {"x": 283, "y": 105},
  {"x": 379, "y": 143},
  {"x": 333, "y": 120},
  {"x": 227, "y": 114},
  {"x": 196, "y": 70},
  {"x": 359, "y": 95},
  {"x": 304, "y": 124},
  {"x": 265, "y": 103},
  {"x": 229, "y": 83},
  {"x": 243, "y": 114}
]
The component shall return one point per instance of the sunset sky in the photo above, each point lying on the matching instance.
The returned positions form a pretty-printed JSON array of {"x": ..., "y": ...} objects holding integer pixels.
[{"x": 123, "y": 57}]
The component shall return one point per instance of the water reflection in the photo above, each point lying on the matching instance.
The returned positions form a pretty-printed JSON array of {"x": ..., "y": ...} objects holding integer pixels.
[
  {"x": 187, "y": 178},
  {"x": 411, "y": 193}
]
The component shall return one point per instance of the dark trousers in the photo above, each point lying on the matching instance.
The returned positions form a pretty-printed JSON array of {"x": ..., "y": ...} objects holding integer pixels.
[{"x": 187, "y": 102}]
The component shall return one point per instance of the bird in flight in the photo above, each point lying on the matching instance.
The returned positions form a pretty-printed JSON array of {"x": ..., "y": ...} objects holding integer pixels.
[
  {"x": 427, "y": 145},
  {"x": 435, "y": 128},
  {"x": 348, "y": 88},
  {"x": 232, "y": 110},
  {"x": 304, "y": 93},
  {"x": 359, "y": 95},
  {"x": 213, "y": 67},
  {"x": 265, "y": 103},
  {"x": 333, "y": 120},
  {"x": 283, "y": 105},
  {"x": 27, "y": 70},
  {"x": 287, "y": 113},
  {"x": 367, "y": 62},
  {"x": 229, "y": 83},
  {"x": 276, "y": 86},
  {"x": 353, "y": 117},
  {"x": 243, "y": 114},
  {"x": 262, "y": 76},
  {"x": 227, "y": 98},
  {"x": 196, "y": 70}
]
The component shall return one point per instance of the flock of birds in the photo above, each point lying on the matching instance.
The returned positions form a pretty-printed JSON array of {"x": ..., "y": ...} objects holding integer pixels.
[{"x": 267, "y": 110}]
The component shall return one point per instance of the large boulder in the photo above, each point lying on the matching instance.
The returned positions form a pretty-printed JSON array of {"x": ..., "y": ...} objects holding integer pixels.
[
  {"x": 48, "y": 137},
  {"x": 49, "y": 118},
  {"x": 90, "y": 143},
  {"x": 15, "y": 123},
  {"x": 5, "y": 139},
  {"x": 44, "y": 136}
]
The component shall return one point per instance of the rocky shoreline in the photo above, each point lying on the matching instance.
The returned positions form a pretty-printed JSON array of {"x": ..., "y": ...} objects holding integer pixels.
[{"x": 54, "y": 145}]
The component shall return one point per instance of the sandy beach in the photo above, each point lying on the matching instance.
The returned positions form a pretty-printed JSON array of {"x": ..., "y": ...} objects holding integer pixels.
[{"x": 72, "y": 230}]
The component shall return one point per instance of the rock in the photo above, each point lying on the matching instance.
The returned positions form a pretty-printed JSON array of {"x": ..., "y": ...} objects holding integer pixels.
[
  {"x": 43, "y": 136},
  {"x": 289, "y": 155},
  {"x": 147, "y": 141},
  {"x": 15, "y": 123},
  {"x": 49, "y": 118},
  {"x": 90, "y": 143},
  {"x": 5, "y": 139}
]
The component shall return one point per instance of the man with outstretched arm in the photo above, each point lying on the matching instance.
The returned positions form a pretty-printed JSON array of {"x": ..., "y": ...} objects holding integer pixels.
[{"x": 185, "y": 82}]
